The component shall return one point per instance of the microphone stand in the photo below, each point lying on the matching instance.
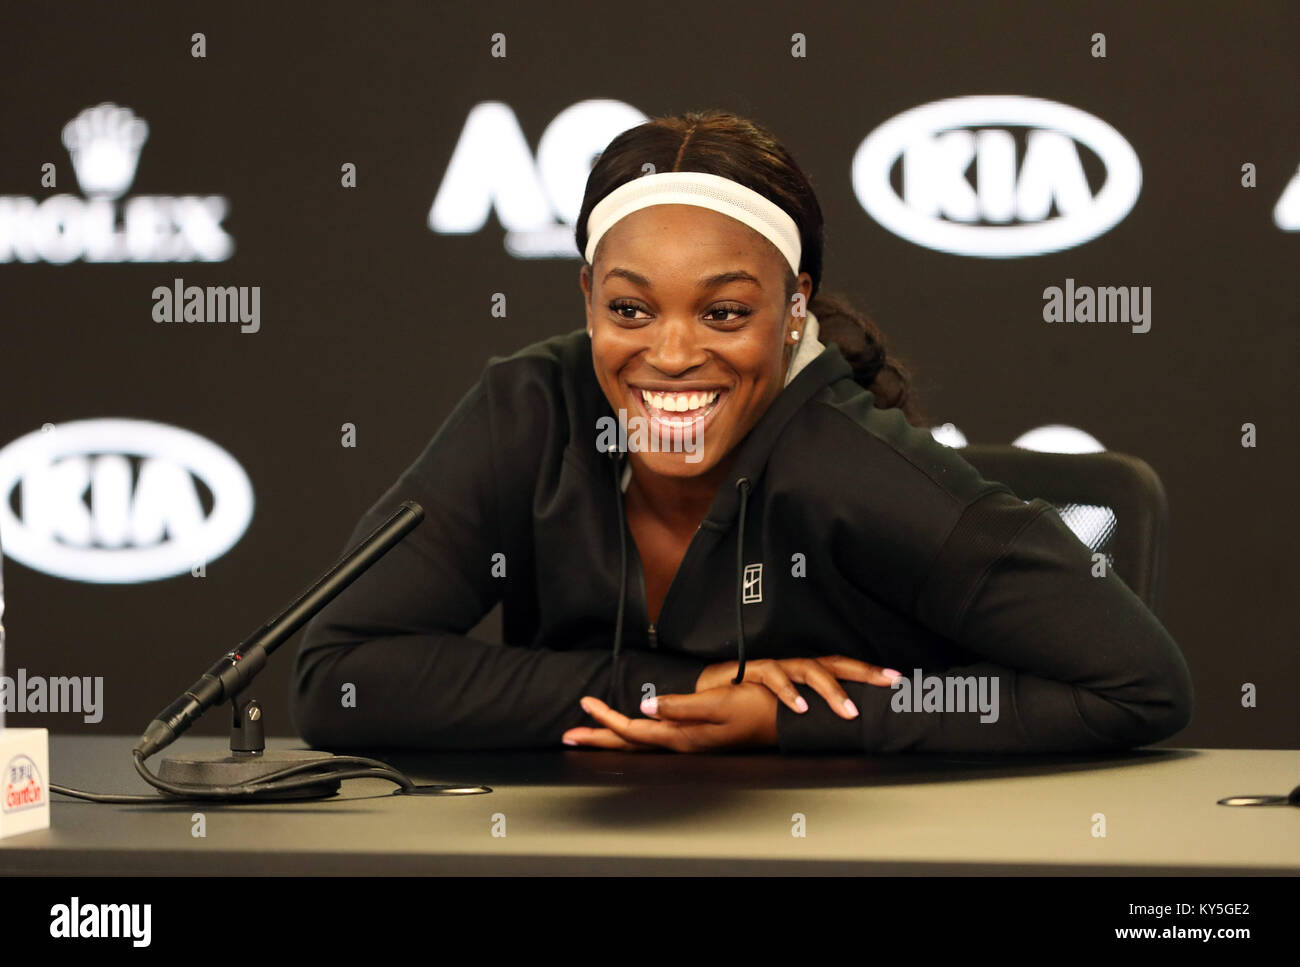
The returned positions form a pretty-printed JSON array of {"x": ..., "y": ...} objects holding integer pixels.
[
  {"x": 229, "y": 678},
  {"x": 248, "y": 760}
]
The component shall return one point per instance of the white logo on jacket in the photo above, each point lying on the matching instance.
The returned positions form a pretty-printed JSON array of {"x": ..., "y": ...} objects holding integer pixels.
[{"x": 753, "y": 584}]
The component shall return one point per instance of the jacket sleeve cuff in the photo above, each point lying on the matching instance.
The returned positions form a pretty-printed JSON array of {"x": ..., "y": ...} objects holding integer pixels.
[{"x": 822, "y": 730}]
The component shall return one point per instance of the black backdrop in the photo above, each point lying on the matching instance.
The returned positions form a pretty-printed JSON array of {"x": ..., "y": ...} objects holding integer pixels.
[{"x": 370, "y": 317}]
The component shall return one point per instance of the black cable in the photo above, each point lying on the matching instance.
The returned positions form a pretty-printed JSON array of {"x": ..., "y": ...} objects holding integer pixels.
[
  {"x": 333, "y": 769},
  {"x": 374, "y": 768}
]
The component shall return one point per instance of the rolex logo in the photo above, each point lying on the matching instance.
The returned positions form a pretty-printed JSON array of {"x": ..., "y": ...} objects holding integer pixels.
[
  {"x": 105, "y": 223},
  {"x": 105, "y": 143},
  {"x": 752, "y": 589}
]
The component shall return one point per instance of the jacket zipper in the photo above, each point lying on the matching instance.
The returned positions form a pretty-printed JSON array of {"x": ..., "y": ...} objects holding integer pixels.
[{"x": 651, "y": 634}]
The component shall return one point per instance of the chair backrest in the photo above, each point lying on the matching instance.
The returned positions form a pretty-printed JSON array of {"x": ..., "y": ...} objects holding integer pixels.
[{"x": 1114, "y": 503}]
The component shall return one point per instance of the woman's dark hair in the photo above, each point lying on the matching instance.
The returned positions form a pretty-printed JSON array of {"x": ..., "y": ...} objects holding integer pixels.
[{"x": 725, "y": 144}]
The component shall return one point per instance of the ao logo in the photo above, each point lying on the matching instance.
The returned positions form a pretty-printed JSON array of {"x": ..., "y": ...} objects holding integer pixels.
[
  {"x": 1004, "y": 215},
  {"x": 135, "y": 528},
  {"x": 492, "y": 169}
]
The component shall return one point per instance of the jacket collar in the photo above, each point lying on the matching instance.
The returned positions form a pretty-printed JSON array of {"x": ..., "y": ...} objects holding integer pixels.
[{"x": 752, "y": 452}]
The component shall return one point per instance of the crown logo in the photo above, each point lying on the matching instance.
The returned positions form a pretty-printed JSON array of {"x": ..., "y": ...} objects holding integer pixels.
[{"x": 105, "y": 143}]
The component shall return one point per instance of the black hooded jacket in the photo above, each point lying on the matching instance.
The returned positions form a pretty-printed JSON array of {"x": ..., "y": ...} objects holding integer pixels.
[{"x": 843, "y": 530}]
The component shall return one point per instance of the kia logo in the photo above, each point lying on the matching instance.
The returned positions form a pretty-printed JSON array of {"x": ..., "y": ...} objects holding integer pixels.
[
  {"x": 1008, "y": 211},
  {"x": 118, "y": 501}
]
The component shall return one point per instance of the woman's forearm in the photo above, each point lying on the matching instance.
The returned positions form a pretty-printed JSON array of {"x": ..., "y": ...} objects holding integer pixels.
[
  {"x": 1055, "y": 659},
  {"x": 449, "y": 691}
]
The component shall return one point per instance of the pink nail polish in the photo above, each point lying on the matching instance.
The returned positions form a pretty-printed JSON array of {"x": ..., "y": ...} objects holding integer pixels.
[
  {"x": 800, "y": 704},
  {"x": 891, "y": 674},
  {"x": 570, "y": 741},
  {"x": 850, "y": 708},
  {"x": 650, "y": 706},
  {"x": 583, "y": 703}
]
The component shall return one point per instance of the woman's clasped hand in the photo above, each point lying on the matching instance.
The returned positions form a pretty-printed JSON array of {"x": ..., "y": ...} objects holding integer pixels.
[{"x": 723, "y": 715}]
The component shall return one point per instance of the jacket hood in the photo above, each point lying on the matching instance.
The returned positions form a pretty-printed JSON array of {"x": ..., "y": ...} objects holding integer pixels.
[{"x": 812, "y": 368}]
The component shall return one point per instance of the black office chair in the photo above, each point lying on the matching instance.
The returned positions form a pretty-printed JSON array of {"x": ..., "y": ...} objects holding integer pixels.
[{"x": 1113, "y": 502}]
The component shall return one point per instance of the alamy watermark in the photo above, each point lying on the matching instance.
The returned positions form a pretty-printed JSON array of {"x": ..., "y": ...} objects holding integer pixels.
[
  {"x": 949, "y": 693},
  {"x": 179, "y": 302},
  {"x": 639, "y": 434},
  {"x": 75, "y": 920},
  {"x": 1106, "y": 303},
  {"x": 36, "y": 693}
]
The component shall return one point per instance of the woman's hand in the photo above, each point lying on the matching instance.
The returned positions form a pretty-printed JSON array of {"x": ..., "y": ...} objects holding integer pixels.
[
  {"x": 730, "y": 716},
  {"x": 820, "y": 674}
]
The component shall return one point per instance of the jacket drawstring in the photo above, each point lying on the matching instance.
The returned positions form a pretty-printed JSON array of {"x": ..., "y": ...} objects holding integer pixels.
[
  {"x": 622, "y": 576},
  {"x": 743, "y": 486}
]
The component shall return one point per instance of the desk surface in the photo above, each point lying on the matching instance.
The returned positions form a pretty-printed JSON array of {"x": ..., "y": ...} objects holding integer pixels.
[{"x": 592, "y": 811}]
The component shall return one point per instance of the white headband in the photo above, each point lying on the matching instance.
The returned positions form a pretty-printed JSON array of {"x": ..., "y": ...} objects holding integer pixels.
[{"x": 720, "y": 194}]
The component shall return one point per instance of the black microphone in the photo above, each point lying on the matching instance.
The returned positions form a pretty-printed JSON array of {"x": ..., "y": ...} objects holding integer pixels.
[{"x": 235, "y": 669}]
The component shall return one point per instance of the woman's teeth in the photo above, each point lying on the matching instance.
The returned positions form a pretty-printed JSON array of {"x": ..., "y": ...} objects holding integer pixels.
[{"x": 679, "y": 402}]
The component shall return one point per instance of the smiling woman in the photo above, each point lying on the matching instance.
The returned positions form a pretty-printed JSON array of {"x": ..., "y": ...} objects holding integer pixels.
[{"x": 752, "y": 591}]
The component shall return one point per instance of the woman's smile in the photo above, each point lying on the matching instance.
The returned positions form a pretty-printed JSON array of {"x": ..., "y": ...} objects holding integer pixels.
[{"x": 673, "y": 414}]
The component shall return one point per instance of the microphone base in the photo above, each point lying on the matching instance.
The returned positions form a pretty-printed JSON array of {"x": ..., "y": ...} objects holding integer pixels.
[{"x": 231, "y": 770}]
